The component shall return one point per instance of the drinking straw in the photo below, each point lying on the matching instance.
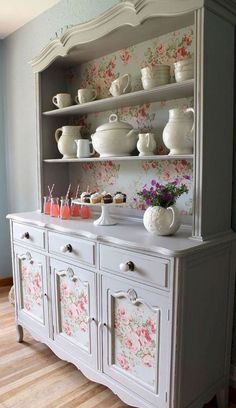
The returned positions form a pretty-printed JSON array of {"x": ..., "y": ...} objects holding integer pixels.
[
  {"x": 68, "y": 192},
  {"x": 77, "y": 192},
  {"x": 51, "y": 190},
  {"x": 87, "y": 189}
]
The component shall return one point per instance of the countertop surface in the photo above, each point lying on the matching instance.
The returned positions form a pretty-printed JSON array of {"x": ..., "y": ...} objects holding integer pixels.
[{"x": 129, "y": 234}]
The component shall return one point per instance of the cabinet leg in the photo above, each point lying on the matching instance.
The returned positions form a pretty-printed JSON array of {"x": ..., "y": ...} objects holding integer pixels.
[
  {"x": 19, "y": 333},
  {"x": 222, "y": 397}
]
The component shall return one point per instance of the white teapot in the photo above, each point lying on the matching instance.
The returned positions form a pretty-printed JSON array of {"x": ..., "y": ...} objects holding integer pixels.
[
  {"x": 179, "y": 131},
  {"x": 146, "y": 144},
  {"x": 121, "y": 85}
]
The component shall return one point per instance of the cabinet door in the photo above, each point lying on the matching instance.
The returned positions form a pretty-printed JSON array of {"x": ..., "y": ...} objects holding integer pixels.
[
  {"x": 32, "y": 289},
  {"x": 136, "y": 338},
  {"x": 75, "y": 317}
]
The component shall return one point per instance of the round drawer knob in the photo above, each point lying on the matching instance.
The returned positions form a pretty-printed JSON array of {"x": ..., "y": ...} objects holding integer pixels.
[
  {"x": 128, "y": 266},
  {"x": 66, "y": 248},
  {"x": 25, "y": 235}
]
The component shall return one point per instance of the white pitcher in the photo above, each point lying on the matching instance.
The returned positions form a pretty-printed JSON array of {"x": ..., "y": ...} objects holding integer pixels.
[
  {"x": 179, "y": 131},
  {"x": 65, "y": 138},
  {"x": 121, "y": 85},
  {"x": 146, "y": 144}
]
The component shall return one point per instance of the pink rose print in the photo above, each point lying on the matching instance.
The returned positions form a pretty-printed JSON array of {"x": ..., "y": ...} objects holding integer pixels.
[
  {"x": 67, "y": 330},
  {"x": 187, "y": 41},
  {"x": 83, "y": 326},
  {"x": 147, "y": 360},
  {"x": 123, "y": 362},
  {"x": 152, "y": 324},
  {"x": 161, "y": 49},
  {"x": 123, "y": 315},
  {"x": 71, "y": 311},
  {"x": 27, "y": 306},
  {"x": 144, "y": 336},
  {"x": 124, "y": 56},
  {"x": 131, "y": 342},
  {"x": 181, "y": 53}
]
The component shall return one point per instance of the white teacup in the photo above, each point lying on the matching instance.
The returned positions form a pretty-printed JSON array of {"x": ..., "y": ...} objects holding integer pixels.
[
  {"x": 121, "y": 85},
  {"x": 83, "y": 148},
  {"x": 86, "y": 95},
  {"x": 151, "y": 72},
  {"x": 62, "y": 100}
]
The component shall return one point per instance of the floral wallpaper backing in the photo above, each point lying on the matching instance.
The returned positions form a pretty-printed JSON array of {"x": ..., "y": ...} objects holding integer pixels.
[
  {"x": 31, "y": 280},
  {"x": 129, "y": 177},
  {"x": 136, "y": 340},
  {"x": 74, "y": 310}
]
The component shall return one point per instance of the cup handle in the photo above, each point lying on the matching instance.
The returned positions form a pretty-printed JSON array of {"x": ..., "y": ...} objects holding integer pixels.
[
  {"x": 93, "y": 151},
  {"x": 94, "y": 94},
  {"x": 191, "y": 110},
  {"x": 77, "y": 100},
  {"x": 54, "y": 101},
  {"x": 57, "y": 136},
  {"x": 128, "y": 82}
]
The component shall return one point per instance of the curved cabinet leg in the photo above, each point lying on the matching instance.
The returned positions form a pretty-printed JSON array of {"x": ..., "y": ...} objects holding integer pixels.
[
  {"x": 19, "y": 333},
  {"x": 222, "y": 397}
]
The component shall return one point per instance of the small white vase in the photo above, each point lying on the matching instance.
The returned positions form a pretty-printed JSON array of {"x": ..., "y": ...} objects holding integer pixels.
[
  {"x": 179, "y": 131},
  {"x": 161, "y": 221}
]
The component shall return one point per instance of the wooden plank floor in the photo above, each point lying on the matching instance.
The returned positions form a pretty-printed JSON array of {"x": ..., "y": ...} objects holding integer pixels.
[{"x": 31, "y": 376}]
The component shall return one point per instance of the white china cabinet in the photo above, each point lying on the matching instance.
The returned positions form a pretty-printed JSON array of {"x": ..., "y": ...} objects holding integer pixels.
[{"x": 148, "y": 316}]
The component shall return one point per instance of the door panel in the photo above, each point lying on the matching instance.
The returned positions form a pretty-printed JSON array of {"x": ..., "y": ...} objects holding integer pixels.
[
  {"x": 75, "y": 320},
  {"x": 136, "y": 338}
]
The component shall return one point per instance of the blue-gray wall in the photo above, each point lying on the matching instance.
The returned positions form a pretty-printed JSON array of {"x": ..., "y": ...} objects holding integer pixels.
[
  {"x": 18, "y": 105},
  {"x": 5, "y": 264}
]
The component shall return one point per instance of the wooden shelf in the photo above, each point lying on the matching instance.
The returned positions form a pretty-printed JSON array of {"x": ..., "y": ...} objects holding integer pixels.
[
  {"x": 165, "y": 92},
  {"x": 124, "y": 158}
]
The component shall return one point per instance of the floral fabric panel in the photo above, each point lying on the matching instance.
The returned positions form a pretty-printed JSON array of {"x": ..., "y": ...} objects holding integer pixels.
[
  {"x": 31, "y": 281},
  {"x": 135, "y": 340},
  {"x": 100, "y": 72},
  {"x": 74, "y": 310},
  {"x": 130, "y": 177}
]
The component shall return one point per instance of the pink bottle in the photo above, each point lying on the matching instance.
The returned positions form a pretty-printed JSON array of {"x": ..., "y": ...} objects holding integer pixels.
[
  {"x": 85, "y": 212},
  {"x": 54, "y": 208},
  {"x": 65, "y": 209},
  {"x": 47, "y": 205},
  {"x": 75, "y": 210}
]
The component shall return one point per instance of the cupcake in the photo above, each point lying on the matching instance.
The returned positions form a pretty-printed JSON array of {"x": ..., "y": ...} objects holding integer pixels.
[
  {"x": 85, "y": 197},
  {"x": 95, "y": 198},
  {"x": 118, "y": 198},
  {"x": 119, "y": 194},
  {"x": 107, "y": 198}
]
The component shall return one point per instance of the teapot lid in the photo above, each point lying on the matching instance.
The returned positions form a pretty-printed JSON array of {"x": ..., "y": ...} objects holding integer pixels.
[{"x": 114, "y": 123}]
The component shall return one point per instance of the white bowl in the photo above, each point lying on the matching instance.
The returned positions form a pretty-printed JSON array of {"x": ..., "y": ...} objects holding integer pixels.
[
  {"x": 184, "y": 63},
  {"x": 184, "y": 75},
  {"x": 154, "y": 82}
]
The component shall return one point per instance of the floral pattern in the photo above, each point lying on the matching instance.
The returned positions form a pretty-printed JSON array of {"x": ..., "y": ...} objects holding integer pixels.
[
  {"x": 136, "y": 340},
  {"x": 130, "y": 177},
  {"x": 99, "y": 73},
  {"x": 74, "y": 310},
  {"x": 31, "y": 281}
]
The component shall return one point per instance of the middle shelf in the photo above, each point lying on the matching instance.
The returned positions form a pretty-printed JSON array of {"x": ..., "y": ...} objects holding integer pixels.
[{"x": 123, "y": 158}]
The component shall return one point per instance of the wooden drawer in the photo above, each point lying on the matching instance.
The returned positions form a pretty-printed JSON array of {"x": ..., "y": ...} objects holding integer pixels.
[
  {"x": 29, "y": 235},
  {"x": 145, "y": 268},
  {"x": 73, "y": 248}
]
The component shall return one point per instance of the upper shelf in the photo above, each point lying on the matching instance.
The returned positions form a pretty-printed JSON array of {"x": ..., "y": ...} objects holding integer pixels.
[
  {"x": 165, "y": 92},
  {"x": 123, "y": 158}
]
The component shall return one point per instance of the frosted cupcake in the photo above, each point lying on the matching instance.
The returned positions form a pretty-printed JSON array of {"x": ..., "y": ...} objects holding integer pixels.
[{"x": 95, "y": 198}]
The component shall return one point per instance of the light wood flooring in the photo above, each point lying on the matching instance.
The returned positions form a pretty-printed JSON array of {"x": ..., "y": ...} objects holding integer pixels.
[{"x": 31, "y": 376}]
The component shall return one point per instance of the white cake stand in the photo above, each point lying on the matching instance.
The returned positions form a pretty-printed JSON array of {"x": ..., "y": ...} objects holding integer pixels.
[{"x": 105, "y": 217}]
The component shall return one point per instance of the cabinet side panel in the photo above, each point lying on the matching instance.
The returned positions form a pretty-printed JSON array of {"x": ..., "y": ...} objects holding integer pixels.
[
  {"x": 205, "y": 324},
  {"x": 215, "y": 132}
]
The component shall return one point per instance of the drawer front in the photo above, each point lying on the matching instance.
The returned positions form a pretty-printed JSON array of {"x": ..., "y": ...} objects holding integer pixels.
[
  {"x": 134, "y": 265},
  {"x": 72, "y": 248},
  {"x": 29, "y": 235}
]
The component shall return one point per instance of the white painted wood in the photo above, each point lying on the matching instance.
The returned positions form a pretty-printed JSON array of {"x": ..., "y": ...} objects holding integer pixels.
[
  {"x": 148, "y": 269},
  {"x": 113, "y": 289},
  {"x": 79, "y": 281},
  {"x": 72, "y": 248},
  {"x": 123, "y": 158},
  {"x": 29, "y": 235},
  {"x": 162, "y": 93}
]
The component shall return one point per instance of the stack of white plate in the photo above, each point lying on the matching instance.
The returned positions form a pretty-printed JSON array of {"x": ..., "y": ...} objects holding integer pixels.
[
  {"x": 184, "y": 70},
  {"x": 155, "y": 76}
]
